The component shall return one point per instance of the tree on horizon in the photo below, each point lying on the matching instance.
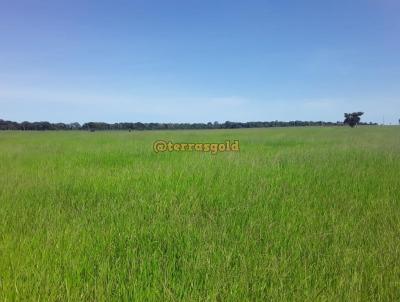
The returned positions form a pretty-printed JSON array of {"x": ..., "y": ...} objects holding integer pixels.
[{"x": 352, "y": 119}]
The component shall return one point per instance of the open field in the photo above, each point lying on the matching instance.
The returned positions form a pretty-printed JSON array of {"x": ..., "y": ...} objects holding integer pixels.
[{"x": 298, "y": 214}]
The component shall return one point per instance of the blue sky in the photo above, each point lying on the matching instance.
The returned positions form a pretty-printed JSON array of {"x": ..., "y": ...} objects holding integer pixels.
[{"x": 199, "y": 61}]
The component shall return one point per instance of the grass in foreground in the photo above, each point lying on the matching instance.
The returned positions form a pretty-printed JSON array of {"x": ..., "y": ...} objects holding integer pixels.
[{"x": 299, "y": 214}]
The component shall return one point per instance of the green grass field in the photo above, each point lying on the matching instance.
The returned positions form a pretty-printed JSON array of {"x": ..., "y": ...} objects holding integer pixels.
[{"x": 299, "y": 214}]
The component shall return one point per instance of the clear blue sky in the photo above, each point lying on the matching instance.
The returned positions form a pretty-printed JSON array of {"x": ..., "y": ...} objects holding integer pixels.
[{"x": 199, "y": 61}]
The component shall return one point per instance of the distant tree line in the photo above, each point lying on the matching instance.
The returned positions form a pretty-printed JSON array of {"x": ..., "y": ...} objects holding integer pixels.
[{"x": 95, "y": 126}]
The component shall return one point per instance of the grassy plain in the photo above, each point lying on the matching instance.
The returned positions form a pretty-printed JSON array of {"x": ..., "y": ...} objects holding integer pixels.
[{"x": 299, "y": 214}]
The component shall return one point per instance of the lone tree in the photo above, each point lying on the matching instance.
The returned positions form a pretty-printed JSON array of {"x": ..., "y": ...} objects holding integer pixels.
[{"x": 352, "y": 119}]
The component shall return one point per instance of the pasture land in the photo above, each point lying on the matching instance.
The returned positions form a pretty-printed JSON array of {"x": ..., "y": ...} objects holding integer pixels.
[{"x": 305, "y": 214}]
